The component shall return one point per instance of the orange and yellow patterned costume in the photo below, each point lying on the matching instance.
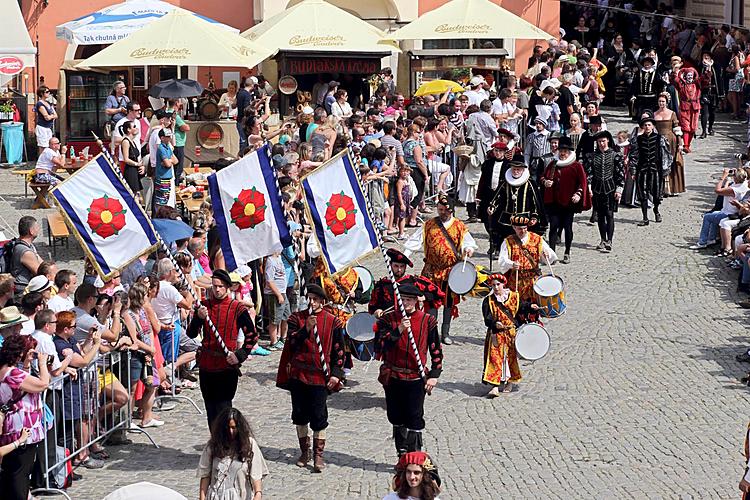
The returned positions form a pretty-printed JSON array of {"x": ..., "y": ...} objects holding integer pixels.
[
  {"x": 528, "y": 256},
  {"x": 438, "y": 254},
  {"x": 347, "y": 281},
  {"x": 500, "y": 359}
]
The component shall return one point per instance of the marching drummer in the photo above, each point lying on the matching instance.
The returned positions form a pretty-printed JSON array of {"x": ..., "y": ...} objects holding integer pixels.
[
  {"x": 521, "y": 255},
  {"x": 405, "y": 388},
  {"x": 445, "y": 241},
  {"x": 499, "y": 310},
  {"x": 383, "y": 298}
]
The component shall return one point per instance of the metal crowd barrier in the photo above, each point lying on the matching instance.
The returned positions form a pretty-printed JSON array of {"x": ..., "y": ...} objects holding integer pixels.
[{"x": 98, "y": 416}]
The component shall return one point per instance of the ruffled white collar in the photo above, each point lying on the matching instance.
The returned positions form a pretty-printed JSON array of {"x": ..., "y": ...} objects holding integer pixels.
[
  {"x": 517, "y": 182},
  {"x": 564, "y": 163}
]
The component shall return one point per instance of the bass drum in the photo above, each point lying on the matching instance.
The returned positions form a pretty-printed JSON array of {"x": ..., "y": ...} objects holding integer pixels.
[
  {"x": 209, "y": 110},
  {"x": 210, "y": 135}
]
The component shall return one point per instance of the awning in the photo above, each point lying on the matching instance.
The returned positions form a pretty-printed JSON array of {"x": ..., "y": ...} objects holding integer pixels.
[
  {"x": 469, "y": 19},
  {"x": 116, "y": 22},
  {"x": 16, "y": 49},
  {"x": 318, "y": 26},
  {"x": 181, "y": 39}
]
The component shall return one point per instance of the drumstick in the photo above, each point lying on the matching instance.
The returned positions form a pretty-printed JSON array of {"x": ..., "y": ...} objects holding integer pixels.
[
  {"x": 517, "y": 278},
  {"x": 552, "y": 271},
  {"x": 463, "y": 268}
]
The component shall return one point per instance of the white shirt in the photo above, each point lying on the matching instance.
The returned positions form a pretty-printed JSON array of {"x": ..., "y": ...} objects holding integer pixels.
[
  {"x": 341, "y": 110},
  {"x": 117, "y": 136},
  {"x": 729, "y": 42},
  {"x": 153, "y": 145},
  {"x": 668, "y": 24},
  {"x": 739, "y": 192},
  {"x": 46, "y": 345},
  {"x": 58, "y": 304},
  {"x": 415, "y": 242},
  {"x": 165, "y": 302},
  {"x": 504, "y": 262},
  {"x": 474, "y": 96},
  {"x": 28, "y": 327},
  {"x": 45, "y": 159}
]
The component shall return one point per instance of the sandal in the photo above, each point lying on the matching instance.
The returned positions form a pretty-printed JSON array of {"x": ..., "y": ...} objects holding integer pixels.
[{"x": 100, "y": 454}]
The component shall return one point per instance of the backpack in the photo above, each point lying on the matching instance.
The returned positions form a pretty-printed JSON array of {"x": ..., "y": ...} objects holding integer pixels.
[{"x": 6, "y": 254}]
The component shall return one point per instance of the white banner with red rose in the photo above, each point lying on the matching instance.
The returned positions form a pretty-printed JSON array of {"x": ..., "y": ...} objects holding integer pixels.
[
  {"x": 109, "y": 223},
  {"x": 339, "y": 215},
  {"x": 248, "y": 210}
]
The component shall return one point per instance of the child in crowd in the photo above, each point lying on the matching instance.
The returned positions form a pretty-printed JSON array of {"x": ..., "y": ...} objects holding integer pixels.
[
  {"x": 402, "y": 208},
  {"x": 274, "y": 292}
]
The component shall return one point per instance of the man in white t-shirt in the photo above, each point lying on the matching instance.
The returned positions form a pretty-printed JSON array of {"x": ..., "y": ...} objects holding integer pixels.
[
  {"x": 476, "y": 93},
  {"x": 45, "y": 328},
  {"x": 166, "y": 306},
  {"x": 164, "y": 121},
  {"x": 134, "y": 115},
  {"x": 733, "y": 193},
  {"x": 66, "y": 282},
  {"x": 50, "y": 160}
]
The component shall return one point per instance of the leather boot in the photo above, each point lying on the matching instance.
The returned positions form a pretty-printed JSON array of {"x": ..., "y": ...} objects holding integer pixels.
[
  {"x": 304, "y": 448},
  {"x": 318, "y": 446},
  {"x": 413, "y": 440},
  {"x": 703, "y": 134},
  {"x": 657, "y": 216},
  {"x": 644, "y": 222},
  {"x": 444, "y": 334},
  {"x": 399, "y": 439}
]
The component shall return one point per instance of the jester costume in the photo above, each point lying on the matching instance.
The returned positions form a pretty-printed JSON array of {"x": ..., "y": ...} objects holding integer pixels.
[
  {"x": 218, "y": 379},
  {"x": 687, "y": 83}
]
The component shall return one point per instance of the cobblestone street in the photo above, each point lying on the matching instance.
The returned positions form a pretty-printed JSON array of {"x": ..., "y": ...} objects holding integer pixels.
[{"x": 639, "y": 396}]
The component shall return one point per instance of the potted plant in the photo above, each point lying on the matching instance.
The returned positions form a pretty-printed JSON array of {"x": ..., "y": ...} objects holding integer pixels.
[{"x": 6, "y": 110}]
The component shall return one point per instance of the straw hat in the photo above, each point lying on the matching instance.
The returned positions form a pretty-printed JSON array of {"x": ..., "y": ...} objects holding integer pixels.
[
  {"x": 463, "y": 150},
  {"x": 10, "y": 316}
]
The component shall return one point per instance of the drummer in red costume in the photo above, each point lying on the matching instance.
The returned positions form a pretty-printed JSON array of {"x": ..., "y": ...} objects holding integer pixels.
[
  {"x": 383, "y": 298},
  {"x": 302, "y": 373},
  {"x": 521, "y": 255},
  {"x": 445, "y": 241},
  {"x": 499, "y": 310},
  {"x": 405, "y": 389},
  {"x": 219, "y": 372}
]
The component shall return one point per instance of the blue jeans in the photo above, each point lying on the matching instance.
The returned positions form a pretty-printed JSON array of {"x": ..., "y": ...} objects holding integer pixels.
[
  {"x": 170, "y": 342},
  {"x": 243, "y": 137},
  {"x": 745, "y": 269},
  {"x": 710, "y": 227}
]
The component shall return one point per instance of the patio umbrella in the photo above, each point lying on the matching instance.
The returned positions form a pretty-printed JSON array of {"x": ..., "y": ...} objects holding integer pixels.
[
  {"x": 172, "y": 229},
  {"x": 316, "y": 25},
  {"x": 469, "y": 19},
  {"x": 181, "y": 39},
  {"x": 438, "y": 87},
  {"x": 118, "y": 21},
  {"x": 174, "y": 89}
]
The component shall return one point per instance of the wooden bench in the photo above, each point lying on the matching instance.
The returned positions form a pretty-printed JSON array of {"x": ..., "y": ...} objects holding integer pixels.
[
  {"x": 41, "y": 189},
  {"x": 57, "y": 232}
]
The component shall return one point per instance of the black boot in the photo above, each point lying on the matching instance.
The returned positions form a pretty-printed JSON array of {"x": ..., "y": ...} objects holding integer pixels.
[
  {"x": 471, "y": 210},
  {"x": 644, "y": 222},
  {"x": 703, "y": 134},
  {"x": 710, "y": 130},
  {"x": 399, "y": 439},
  {"x": 413, "y": 440},
  {"x": 444, "y": 334},
  {"x": 657, "y": 215}
]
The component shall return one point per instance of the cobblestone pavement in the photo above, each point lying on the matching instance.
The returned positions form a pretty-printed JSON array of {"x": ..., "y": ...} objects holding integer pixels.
[{"x": 639, "y": 396}]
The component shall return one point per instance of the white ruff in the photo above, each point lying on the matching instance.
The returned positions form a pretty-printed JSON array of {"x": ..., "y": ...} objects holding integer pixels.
[
  {"x": 517, "y": 182},
  {"x": 565, "y": 163}
]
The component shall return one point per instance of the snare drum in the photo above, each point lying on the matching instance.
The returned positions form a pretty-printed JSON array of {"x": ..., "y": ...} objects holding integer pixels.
[
  {"x": 360, "y": 332},
  {"x": 551, "y": 292},
  {"x": 462, "y": 278},
  {"x": 532, "y": 341}
]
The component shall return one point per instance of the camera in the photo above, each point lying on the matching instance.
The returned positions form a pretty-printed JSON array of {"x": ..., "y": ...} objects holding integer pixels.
[{"x": 742, "y": 156}]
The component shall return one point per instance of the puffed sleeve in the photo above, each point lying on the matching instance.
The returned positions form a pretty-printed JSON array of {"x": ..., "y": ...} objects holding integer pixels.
[
  {"x": 258, "y": 467},
  {"x": 205, "y": 463}
]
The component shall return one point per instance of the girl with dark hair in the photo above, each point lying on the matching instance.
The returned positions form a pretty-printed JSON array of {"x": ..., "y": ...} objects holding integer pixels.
[
  {"x": 231, "y": 465},
  {"x": 20, "y": 392},
  {"x": 131, "y": 166},
  {"x": 416, "y": 478}
]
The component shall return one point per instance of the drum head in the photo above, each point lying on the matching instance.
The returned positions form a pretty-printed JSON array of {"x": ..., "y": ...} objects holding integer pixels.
[
  {"x": 532, "y": 341},
  {"x": 462, "y": 278},
  {"x": 359, "y": 327},
  {"x": 210, "y": 135},
  {"x": 209, "y": 110},
  {"x": 548, "y": 286},
  {"x": 365, "y": 278}
]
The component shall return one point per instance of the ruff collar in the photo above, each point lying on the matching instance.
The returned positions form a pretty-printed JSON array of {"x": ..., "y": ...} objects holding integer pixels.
[
  {"x": 565, "y": 163},
  {"x": 517, "y": 182}
]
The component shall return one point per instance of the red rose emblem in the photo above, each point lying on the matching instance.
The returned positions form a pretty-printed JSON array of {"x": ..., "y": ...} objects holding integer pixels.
[
  {"x": 106, "y": 216},
  {"x": 340, "y": 214},
  {"x": 248, "y": 209}
]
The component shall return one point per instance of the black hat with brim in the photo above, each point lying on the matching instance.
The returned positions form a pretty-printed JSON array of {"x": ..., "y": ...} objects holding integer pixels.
[{"x": 317, "y": 290}]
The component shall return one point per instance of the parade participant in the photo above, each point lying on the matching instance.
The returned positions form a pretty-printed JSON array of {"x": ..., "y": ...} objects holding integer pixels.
[
  {"x": 605, "y": 169},
  {"x": 649, "y": 161},
  {"x": 493, "y": 170},
  {"x": 445, "y": 240},
  {"x": 517, "y": 194},
  {"x": 565, "y": 194},
  {"x": 219, "y": 371},
  {"x": 521, "y": 255},
  {"x": 687, "y": 83},
  {"x": 509, "y": 138},
  {"x": 383, "y": 298},
  {"x": 537, "y": 145},
  {"x": 499, "y": 310},
  {"x": 404, "y": 386},
  {"x": 586, "y": 142},
  {"x": 416, "y": 478},
  {"x": 646, "y": 86},
  {"x": 314, "y": 335},
  {"x": 710, "y": 94}
]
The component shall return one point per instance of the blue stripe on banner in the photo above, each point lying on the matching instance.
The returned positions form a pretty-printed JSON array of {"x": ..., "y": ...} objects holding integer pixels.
[
  {"x": 318, "y": 224},
  {"x": 221, "y": 222},
  {"x": 354, "y": 181},
  {"x": 135, "y": 209},
  {"x": 82, "y": 231},
  {"x": 273, "y": 193}
]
